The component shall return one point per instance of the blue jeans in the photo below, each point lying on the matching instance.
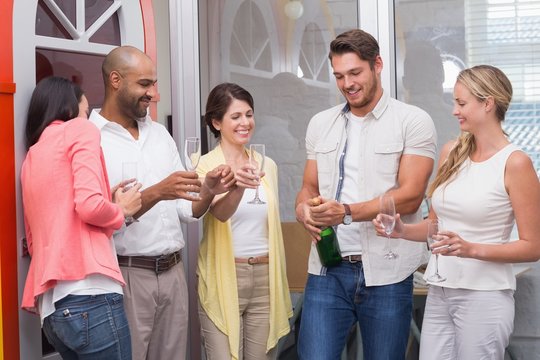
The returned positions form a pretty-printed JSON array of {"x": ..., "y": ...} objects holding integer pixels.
[
  {"x": 332, "y": 305},
  {"x": 89, "y": 327}
]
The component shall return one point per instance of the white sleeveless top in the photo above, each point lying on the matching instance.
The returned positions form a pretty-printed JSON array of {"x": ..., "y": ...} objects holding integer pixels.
[{"x": 476, "y": 206}]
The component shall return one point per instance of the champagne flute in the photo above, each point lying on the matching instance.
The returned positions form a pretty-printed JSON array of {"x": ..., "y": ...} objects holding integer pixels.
[
  {"x": 129, "y": 172},
  {"x": 388, "y": 210},
  {"x": 256, "y": 158},
  {"x": 434, "y": 226},
  {"x": 192, "y": 155}
]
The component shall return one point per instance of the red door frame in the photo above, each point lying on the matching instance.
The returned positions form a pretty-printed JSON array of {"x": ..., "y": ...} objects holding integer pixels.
[
  {"x": 9, "y": 324},
  {"x": 9, "y": 319}
]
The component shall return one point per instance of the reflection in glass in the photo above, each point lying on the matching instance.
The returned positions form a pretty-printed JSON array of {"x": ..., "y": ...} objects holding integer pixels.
[
  {"x": 82, "y": 69},
  {"x": 505, "y": 34},
  {"x": 284, "y": 63},
  {"x": 313, "y": 57},
  {"x": 47, "y": 24},
  {"x": 468, "y": 33},
  {"x": 251, "y": 51}
]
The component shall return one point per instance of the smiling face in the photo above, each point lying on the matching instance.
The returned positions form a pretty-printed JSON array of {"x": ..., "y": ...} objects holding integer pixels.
[
  {"x": 468, "y": 109},
  {"x": 359, "y": 83},
  {"x": 137, "y": 88},
  {"x": 237, "y": 125}
]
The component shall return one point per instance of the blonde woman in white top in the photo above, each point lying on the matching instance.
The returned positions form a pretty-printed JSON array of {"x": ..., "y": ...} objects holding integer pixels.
[{"x": 483, "y": 186}]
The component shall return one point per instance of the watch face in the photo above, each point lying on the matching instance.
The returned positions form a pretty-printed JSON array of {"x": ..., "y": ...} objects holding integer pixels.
[{"x": 347, "y": 219}]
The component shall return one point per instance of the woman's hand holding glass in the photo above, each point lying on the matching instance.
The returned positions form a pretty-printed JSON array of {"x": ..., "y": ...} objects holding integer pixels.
[
  {"x": 451, "y": 244},
  {"x": 246, "y": 177},
  {"x": 128, "y": 197}
]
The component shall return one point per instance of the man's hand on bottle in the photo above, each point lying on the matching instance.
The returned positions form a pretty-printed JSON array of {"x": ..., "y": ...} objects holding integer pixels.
[
  {"x": 328, "y": 213},
  {"x": 303, "y": 215}
]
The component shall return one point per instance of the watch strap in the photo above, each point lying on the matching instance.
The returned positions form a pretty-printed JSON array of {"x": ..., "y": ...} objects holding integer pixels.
[{"x": 347, "y": 219}]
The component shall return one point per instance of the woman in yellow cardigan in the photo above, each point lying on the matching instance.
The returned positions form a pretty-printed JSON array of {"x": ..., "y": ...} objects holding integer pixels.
[{"x": 244, "y": 302}]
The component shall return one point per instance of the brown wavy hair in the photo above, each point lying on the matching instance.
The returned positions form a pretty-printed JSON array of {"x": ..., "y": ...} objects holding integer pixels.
[
  {"x": 219, "y": 100},
  {"x": 356, "y": 41},
  {"x": 483, "y": 81}
]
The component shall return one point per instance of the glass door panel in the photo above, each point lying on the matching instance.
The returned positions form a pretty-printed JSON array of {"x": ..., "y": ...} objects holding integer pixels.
[
  {"x": 279, "y": 53},
  {"x": 434, "y": 41}
]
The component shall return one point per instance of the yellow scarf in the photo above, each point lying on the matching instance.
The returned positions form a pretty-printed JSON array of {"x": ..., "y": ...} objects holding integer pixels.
[{"x": 216, "y": 269}]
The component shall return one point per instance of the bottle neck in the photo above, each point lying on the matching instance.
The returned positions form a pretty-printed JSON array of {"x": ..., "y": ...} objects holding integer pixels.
[{"x": 327, "y": 231}]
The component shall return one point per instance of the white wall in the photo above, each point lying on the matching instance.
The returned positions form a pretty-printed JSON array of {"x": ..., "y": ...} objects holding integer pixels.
[{"x": 161, "y": 18}]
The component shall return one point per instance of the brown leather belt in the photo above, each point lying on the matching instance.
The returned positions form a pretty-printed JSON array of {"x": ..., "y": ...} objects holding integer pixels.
[
  {"x": 352, "y": 258},
  {"x": 252, "y": 260},
  {"x": 158, "y": 264}
]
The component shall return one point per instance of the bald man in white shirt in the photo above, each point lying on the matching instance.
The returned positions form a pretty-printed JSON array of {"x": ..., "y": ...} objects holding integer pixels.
[{"x": 149, "y": 250}]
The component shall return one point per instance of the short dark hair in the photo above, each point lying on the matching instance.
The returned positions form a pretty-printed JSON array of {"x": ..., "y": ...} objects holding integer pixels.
[
  {"x": 54, "y": 98},
  {"x": 356, "y": 41},
  {"x": 219, "y": 100}
]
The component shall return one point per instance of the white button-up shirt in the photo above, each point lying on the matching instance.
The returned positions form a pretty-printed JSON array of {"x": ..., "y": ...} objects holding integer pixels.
[
  {"x": 158, "y": 231},
  {"x": 391, "y": 130}
]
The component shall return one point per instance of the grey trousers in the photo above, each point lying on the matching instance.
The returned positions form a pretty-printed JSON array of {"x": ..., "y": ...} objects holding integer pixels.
[{"x": 157, "y": 311}]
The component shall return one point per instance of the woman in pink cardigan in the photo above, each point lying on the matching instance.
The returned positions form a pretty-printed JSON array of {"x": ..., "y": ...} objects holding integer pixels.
[{"x": 74, "y": 281}]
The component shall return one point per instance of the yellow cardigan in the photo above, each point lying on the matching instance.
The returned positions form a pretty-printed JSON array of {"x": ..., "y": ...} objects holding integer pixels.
[{"x": 217, "y": 287}]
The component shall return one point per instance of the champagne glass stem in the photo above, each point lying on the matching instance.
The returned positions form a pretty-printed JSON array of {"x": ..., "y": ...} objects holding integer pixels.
[
  {"x": 257, "y": 193},
  {"x": 256, "y": 158},
  {"x": 388, "y": 253}
]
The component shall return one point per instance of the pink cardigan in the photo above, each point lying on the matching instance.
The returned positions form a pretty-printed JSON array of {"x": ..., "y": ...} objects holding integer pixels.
[{"x": 69, "y": 217}]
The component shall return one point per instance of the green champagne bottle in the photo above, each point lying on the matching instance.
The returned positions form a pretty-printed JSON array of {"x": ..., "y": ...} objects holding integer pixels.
[{"x": 328, "y": 247}]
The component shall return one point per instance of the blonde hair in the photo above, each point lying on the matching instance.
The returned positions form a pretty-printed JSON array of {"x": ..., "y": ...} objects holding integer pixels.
[{"x": 483, "y": 81}]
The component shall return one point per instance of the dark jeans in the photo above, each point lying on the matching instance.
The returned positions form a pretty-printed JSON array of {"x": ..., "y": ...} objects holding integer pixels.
[
  {"x": 333, "y": 303},
  {"x": 89, "y": 327}
]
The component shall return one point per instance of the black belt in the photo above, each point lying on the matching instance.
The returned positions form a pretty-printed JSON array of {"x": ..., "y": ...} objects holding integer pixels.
[{"x": 158, "y": 264}]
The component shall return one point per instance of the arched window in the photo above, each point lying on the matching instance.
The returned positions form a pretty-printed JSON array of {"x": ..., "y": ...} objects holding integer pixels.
[
  {"x": 251, "y": 51},
  {"x": 68, "y": 35},
  {"x": 313, "y": 56},
  {"x": 248, "y": 42}
]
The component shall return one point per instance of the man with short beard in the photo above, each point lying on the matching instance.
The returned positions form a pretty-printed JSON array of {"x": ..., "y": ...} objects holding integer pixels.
[
  {"x": 357, "y": 151},
  {"x": 148, "y": 249}
]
